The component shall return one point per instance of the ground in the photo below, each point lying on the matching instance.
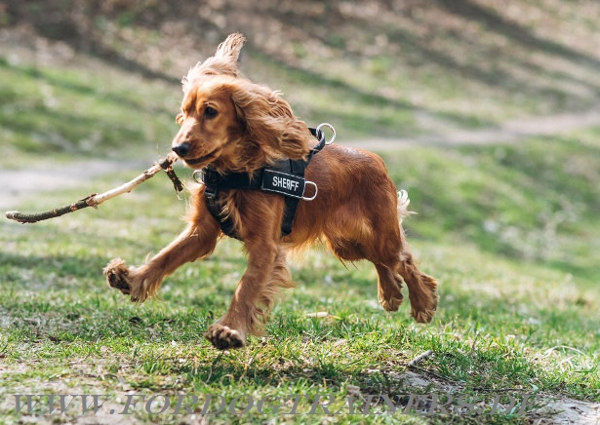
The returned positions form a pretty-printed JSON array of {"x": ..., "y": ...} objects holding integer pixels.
[{"x": 69, "y": 334}]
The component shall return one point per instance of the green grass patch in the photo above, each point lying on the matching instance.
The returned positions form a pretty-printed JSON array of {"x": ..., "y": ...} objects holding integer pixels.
[
  {"x": 535, "y": 201},
  {"x": 48, "y": 110},
  {"x": 510, "y": 231},
  {"x": 508, "y": 320}
]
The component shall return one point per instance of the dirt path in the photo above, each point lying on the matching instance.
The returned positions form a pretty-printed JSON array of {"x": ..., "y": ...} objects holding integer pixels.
[
  {"x": 23, "y": 183},
  {"x": 510, "y": 132},
  {"x": 568, "y": 411}
]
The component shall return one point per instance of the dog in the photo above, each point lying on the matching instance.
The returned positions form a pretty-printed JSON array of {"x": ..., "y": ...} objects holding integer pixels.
[{"x": 232, "y": 125}]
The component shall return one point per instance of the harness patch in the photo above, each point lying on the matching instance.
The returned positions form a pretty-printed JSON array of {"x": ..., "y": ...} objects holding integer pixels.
[{"x": 283, "y": 183}]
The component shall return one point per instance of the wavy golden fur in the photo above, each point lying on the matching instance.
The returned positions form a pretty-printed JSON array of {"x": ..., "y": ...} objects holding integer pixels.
[{"x": 236, "y": 125}]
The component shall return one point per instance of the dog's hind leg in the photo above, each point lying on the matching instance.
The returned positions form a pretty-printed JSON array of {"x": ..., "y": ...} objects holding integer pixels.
[
  {"x": 389, "y": 284},
  {"x": 422, "y": 289},
  {"x": 389, "y": 288},
  {"x": 395, "y": 264},
  {"x": 387, "y": 249}
]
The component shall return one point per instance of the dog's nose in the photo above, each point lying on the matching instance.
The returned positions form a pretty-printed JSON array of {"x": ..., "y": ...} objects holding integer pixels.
[{"x": 182, "y": 150}]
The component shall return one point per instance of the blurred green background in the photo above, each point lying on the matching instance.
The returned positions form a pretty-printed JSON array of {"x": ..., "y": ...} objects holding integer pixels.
[{"x": 497, "y": 104}]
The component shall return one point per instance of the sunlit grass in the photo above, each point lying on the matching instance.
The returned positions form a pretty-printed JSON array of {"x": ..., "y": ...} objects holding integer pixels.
[
  {"x": 506, "y": 321},
  {"x": 510, "y": 232}
]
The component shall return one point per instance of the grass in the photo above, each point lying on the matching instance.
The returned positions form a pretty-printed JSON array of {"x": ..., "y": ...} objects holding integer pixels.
[
  {"x": 75, "y": 111},
  {"x": 509, "y": 319},
  {"x": 530, "y": 201},
  {"x": 510, "y": 231},
  {"x": 387, "y": 70}
]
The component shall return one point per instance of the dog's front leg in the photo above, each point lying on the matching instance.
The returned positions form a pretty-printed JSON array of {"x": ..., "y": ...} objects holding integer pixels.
[
  {"x": 196, "y": 241},
  {"x": 245, "y": 313}
]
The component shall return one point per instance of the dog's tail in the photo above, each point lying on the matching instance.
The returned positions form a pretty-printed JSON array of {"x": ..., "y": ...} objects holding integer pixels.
[{"x": 403, "y": 202}]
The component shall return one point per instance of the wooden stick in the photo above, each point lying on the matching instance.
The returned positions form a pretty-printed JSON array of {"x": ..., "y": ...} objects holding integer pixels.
[
  {"x": 414, "y": 362},
  {"x": 96, "y": 199}
]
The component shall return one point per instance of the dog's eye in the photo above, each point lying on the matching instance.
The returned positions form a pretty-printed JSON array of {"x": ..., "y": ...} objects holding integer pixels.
[
  {"x": 179, "y": 118},
  {"x": 210, "y": 112}
]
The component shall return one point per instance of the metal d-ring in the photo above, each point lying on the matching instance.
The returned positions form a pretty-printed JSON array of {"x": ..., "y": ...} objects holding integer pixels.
[
  {"x": 198, "y": 176},
  {"x": 326, "y": 124},
  {"x": 307, "y": 182}
]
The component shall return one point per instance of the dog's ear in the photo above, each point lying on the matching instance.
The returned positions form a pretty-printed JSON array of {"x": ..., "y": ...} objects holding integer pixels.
[
  {"x": 230, "y": 48},
  {"x": 269, "y": 122},
  {"x": 224, "y": 62}
]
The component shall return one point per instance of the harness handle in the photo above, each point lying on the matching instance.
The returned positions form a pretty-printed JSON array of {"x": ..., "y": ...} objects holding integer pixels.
[{"x": 326, "y": 124}]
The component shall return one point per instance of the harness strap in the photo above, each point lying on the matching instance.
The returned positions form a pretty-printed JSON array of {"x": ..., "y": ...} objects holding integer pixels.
[
  {"x": 215, "y": 182},
  {"x": 296, "y": 167}
]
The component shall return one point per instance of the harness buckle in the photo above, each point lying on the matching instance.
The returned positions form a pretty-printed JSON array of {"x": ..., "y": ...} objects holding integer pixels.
[
  {"x": 210, "y": 192},
  {"x": 306, "y": 183},
  {"x": 198, "y": 176}
]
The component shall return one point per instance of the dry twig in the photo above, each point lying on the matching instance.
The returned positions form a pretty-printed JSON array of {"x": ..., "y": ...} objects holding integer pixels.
[
  {"x": 414, "y": 362},
  {"x": 96, "y": 199}
]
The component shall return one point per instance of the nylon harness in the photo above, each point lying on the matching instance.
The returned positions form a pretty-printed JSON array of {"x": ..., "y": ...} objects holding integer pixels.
[{"x": 285, "y": 177}]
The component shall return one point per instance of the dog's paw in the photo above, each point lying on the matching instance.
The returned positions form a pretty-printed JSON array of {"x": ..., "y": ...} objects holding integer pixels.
[
  {"x": 424, "y": 308},
  {"x": 223, "y": 337},
  {"x": 391, "y": 303},
  {"x": 423, "y": 316},
  {"x": 116, "y": 273},
  {"x": 121, "y": 277},
  {"x": 427, "y": 310}
]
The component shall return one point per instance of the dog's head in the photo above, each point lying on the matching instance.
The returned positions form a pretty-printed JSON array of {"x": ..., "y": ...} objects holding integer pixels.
[
  {"x": 234, "y": 124},
  {"x": 237, "y": 125}
]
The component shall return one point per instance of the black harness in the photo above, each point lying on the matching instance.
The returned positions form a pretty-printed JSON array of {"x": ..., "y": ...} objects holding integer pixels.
[{"x": 286, "y": 177}]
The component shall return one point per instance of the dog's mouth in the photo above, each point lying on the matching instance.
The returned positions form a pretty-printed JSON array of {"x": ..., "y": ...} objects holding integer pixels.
[{"x": 202, "y": 159}]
